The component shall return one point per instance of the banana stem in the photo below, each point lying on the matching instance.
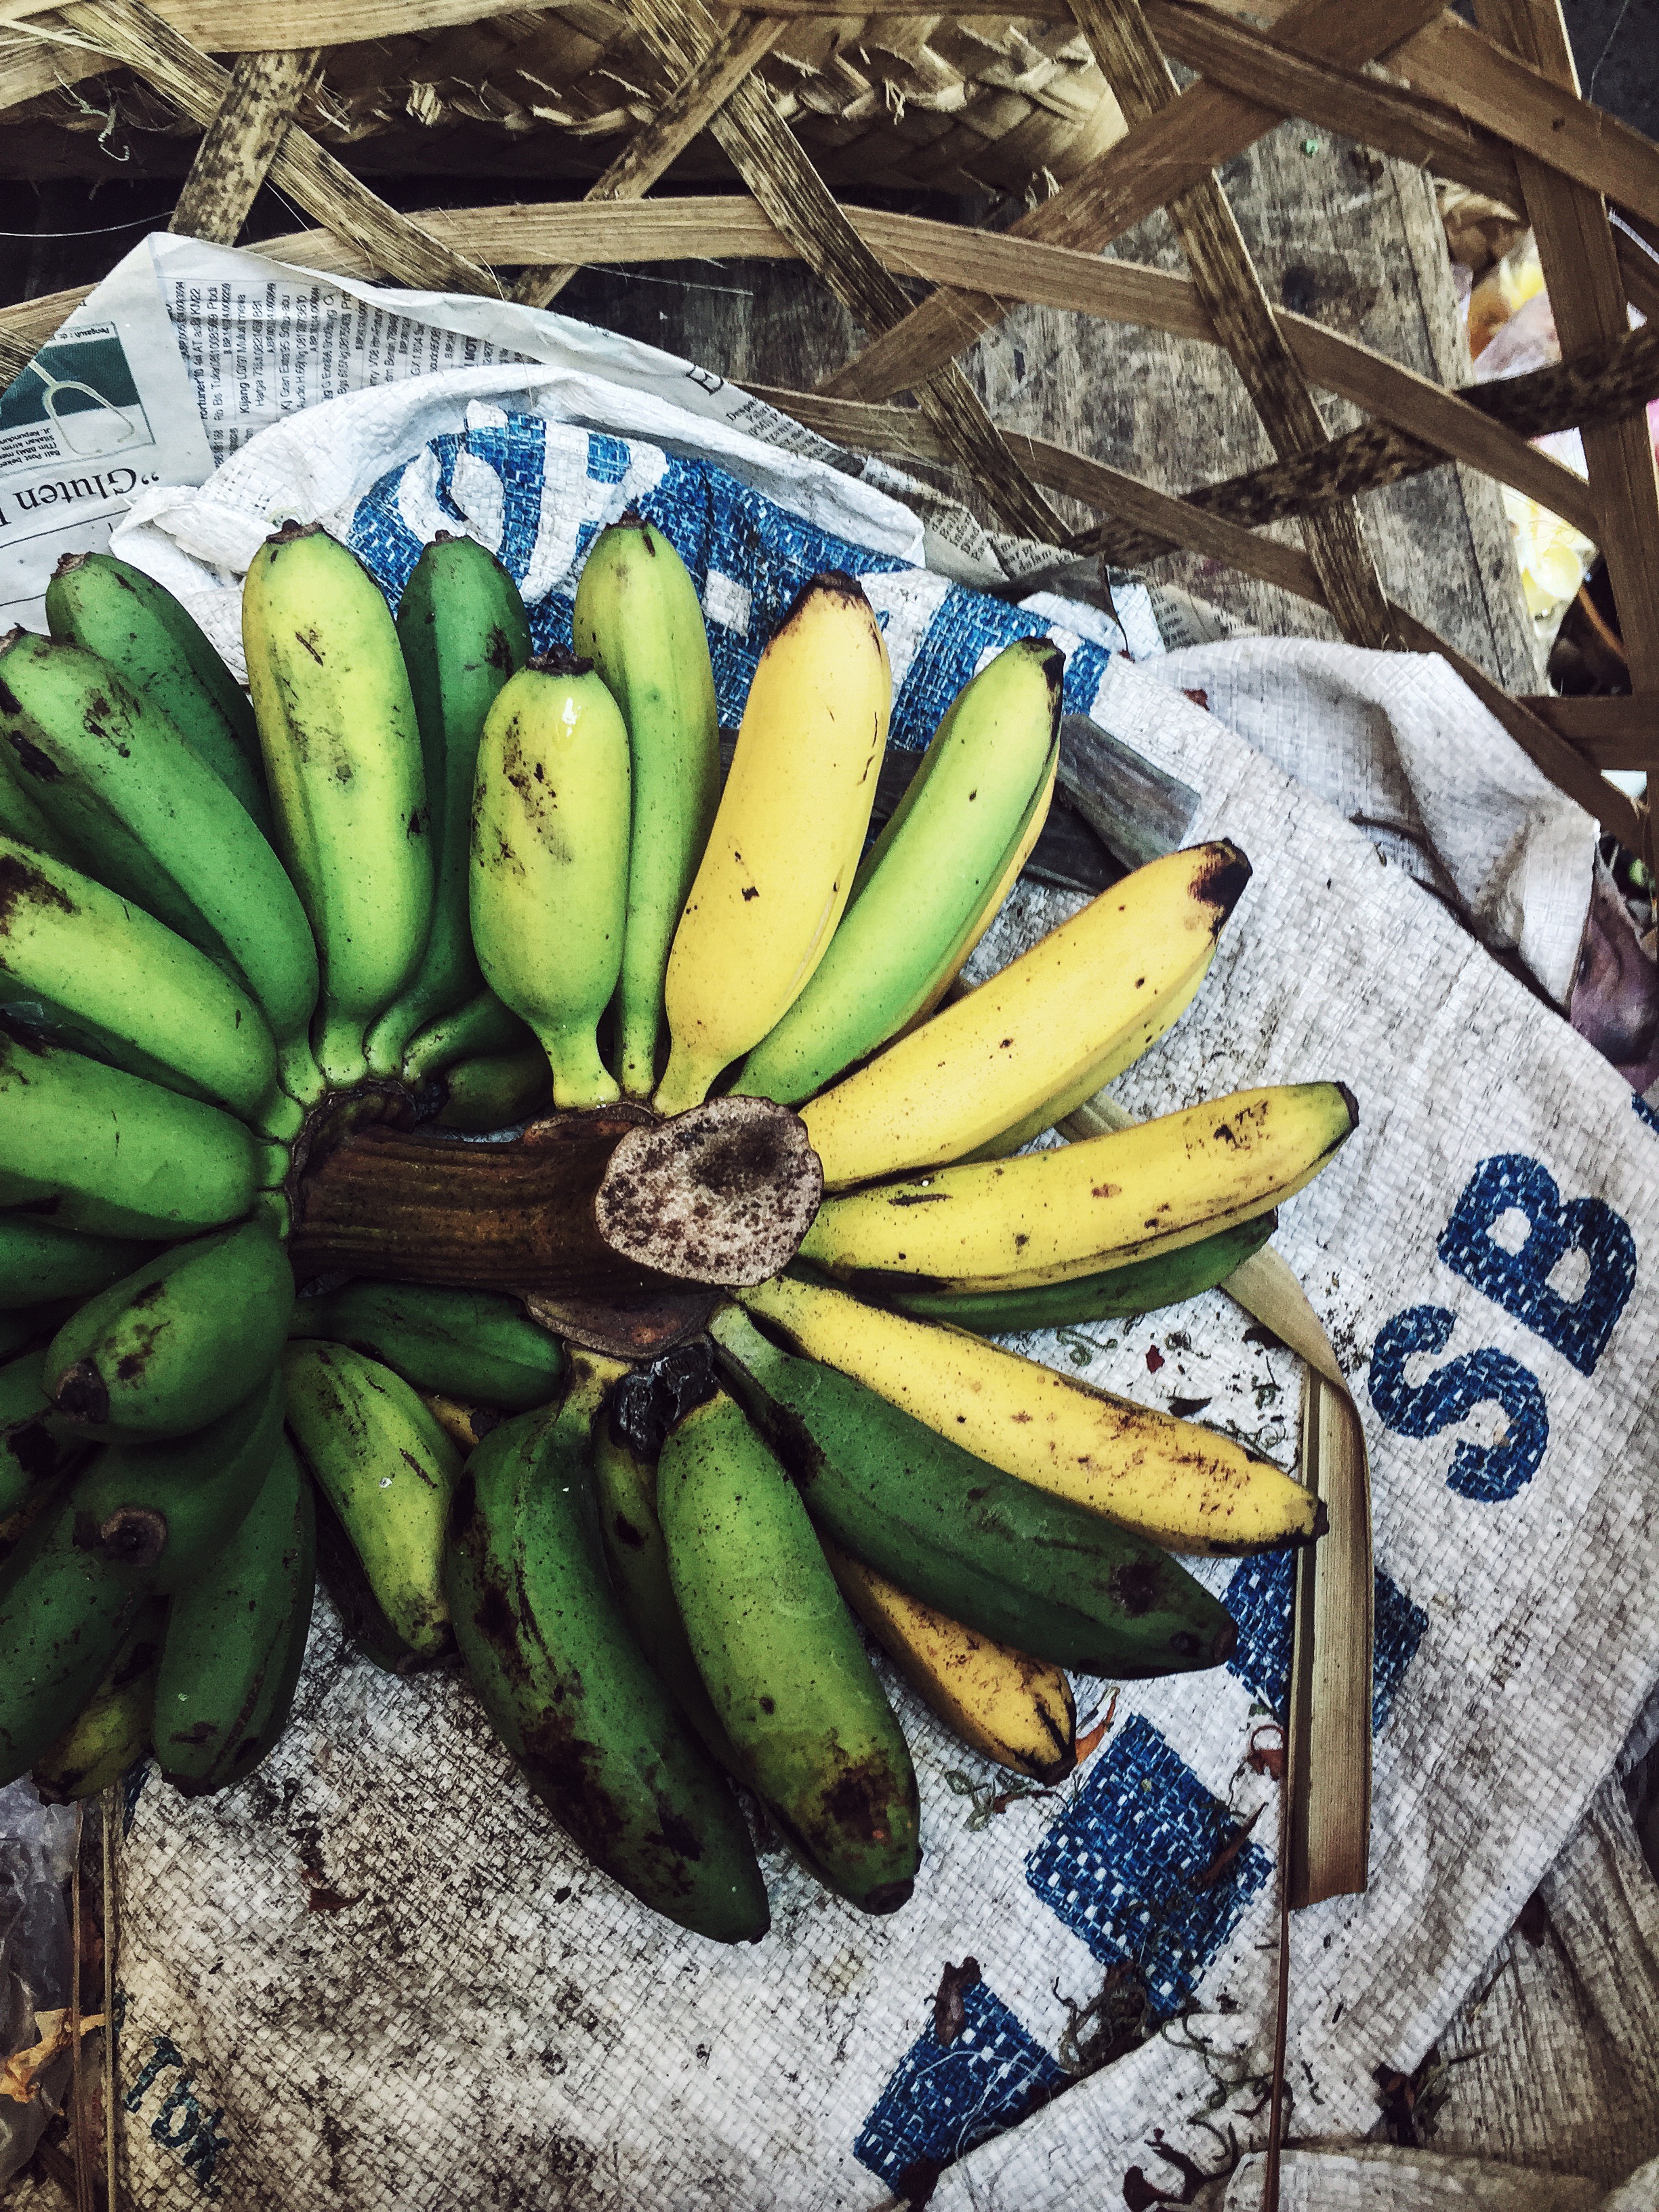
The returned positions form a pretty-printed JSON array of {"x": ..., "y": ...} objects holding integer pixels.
[{"x": 608, "y": 1204}]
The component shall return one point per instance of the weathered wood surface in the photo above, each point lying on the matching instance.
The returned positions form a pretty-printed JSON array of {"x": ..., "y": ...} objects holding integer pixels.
[{"x": 1338, "y": 234}]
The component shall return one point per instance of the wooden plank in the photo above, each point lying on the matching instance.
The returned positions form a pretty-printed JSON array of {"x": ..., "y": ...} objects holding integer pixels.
[
  {"x": 130, "y": 32},
  {"x": 772, "y": 163},
  {"x": 1619, "y": 732},
  {"x": 683, "y": 115},
  {"x": 1201, "y": 131},
  {"x": 240, "y": 143},
  {"x": 1587, "y": 293},
  {"x": 1230, "y": 292}
]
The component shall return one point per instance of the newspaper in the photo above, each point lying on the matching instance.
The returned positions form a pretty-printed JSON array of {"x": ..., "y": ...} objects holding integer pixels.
[{"x": 188, "y": 350}]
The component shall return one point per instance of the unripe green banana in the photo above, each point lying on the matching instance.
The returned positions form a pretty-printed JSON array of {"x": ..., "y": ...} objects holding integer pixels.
[
  {"x": 385, "y": 1469},
  {"x": 35, "y": 1447},
  {"x": 40, "y": 1262},
  {"x": 136, "y": 625},
  {"x": 464, "y": 631},
  {"x": 628, "y": 1440},
  {"x": 926, "y": 878},
  {"x": 469, "y": 1345},
  {"x": 999, "y": 1555},
  {"x": 22, "y": 815},
  {"x": 139, "y": 1521},
  {"x": 568, "y": 1688},
  {"x": 549, "y": 863},
  {"x": 1142, "y": 1287},
  {"x": 19, "y": 1326},
  {"x": 176, "y": 1343},
  {"x": 637, "y": 618},
  {"x": 783, "y": 1662},
  {"x": 140, "y": 812},
  {"x": 154, "y": 1002},
  {"x": 481, "y": 1096},
  {"x": 482, "y": 1028},
  {"x": 348, "y": 785},
  {"x": 120, "y": 1156},
  {"x": 112, "y": 1728},
  {"x": 234, "y": 1641}
]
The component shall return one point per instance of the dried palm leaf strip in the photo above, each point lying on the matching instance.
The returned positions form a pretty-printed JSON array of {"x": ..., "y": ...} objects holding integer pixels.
[
  {"x": 1614, "y": 380},
  {"x": 773, "y": 165},
  {"x": 686, "y": 111},
  {"x": 1200, "y": 132},
  {"x": 240, "y": 143},
  {"x": 1230, "y": 290},
  {"x": 1175, "y": 523},
  {"x": 230, "y": 27},
  {"x": 129, "y": 32},
  {"x": 1459, "y": 427},
  {"x": 1587, "y": 294}
]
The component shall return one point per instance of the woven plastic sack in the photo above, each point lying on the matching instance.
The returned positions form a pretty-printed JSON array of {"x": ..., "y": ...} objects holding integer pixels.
[{"x": 377, "y": 1976}]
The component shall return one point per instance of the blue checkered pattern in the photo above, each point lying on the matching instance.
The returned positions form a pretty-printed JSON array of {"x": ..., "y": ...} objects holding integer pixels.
[
  {"x": 1644, "y": 1112},
  {"x": 1125, "y": 1866},
  {"x": 1259, "y": 1599},
  {"x": 941, "y": 2101}
]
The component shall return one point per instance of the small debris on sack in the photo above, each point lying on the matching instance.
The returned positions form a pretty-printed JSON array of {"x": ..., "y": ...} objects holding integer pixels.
[
  {"x": 21, "y": 2072},
  {"x": 1140, "y": 2196},
  {"x": 1266, "y": 1758},
  {"x": 1154, "y": 1359},
  {"x": 1228, "y": 1851},
  {"x": 950, "y": 2013}
]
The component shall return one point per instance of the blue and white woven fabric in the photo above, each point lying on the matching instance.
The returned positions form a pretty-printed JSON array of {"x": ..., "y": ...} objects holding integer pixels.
[
  {"x": 538, "y": 493},
  {"x": 485, "y": 2018}
]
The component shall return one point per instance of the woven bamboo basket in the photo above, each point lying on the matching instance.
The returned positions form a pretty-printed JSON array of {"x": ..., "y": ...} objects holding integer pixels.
[{"x": 1075, "y": 103}]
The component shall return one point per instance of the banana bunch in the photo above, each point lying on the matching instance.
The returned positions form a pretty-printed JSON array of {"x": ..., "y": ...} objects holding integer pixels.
[{"x": 419, "y": 870}]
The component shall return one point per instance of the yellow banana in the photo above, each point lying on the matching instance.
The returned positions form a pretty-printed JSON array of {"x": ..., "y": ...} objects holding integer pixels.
[
  {"x": 1049, "y": 1216},
  {"x": 1181, "y": 1485},
  {"x": 1007, "y": 1707},
  {"x": 1081, "y": 1004},
  {"x": 778, "y": 867}
]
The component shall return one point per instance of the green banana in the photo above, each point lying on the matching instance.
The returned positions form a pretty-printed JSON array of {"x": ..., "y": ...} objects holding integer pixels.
[
  {"x": 927, "y": 877},
  {"x": 139, "y": 1521},
  {"x": 481, "y": 1096},
  {"x": 549, "y": 863},
  {"x": 230, "y": 1657},
  {"x": 568, "y": 1688},
  {"x": 20, "y": 814},
  {"x": 155, "y": 1002},
  {"x": 469, "y": 1345},
  {"x": 111, "y": 1154},
  {"x": 464, "y": 631},
  {"x": 177, "y": 1342},
  {"x": 778, "y": 1652},
  {"x": 1005, "y": 1559},
  {"x": 40, "y": 1262},
  {"x": 483, "y": 1027},
  {"x": 34, "y": 1447},
  {"x": 136, "y": 625},
  {"x": 347, "y": 784},
  {"x": 112, "y": 1728},
  {"x": 1140, "y": 1286},
  {"x": 628, "y": 1441},
  {"x": 20, "y": 1325},
  {"x": 142, "y": 813},
  {"x": 637, "y": 618},
  {"x": 386, "y": 1470}
]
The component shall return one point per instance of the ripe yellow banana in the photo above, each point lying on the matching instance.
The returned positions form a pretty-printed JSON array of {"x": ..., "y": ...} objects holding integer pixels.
[
  {"x": 1181, "y": 1485},
  {"x": 1077, "y": 1008},
  {"x": 1009, "y": 1708},
  {"x": 1049, "y": 1216},
  {"x": 777, "y": 867}
]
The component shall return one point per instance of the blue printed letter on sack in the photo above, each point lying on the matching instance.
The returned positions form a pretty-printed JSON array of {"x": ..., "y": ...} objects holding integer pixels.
[
  {"x": 1519, "y": 1281},
  {"x": 1488, "y": 1472}
]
